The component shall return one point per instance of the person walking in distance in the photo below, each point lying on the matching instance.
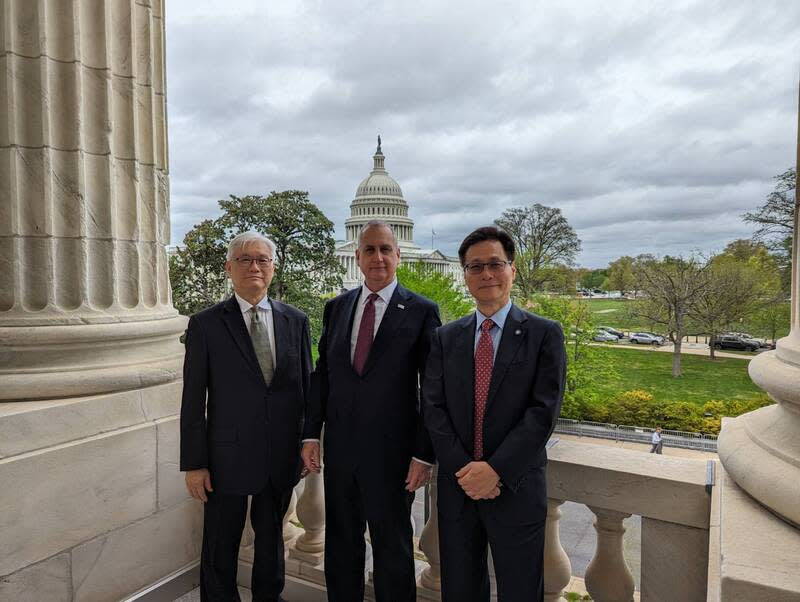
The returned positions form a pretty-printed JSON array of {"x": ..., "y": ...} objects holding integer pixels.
[{"x": 656, "y": 443}]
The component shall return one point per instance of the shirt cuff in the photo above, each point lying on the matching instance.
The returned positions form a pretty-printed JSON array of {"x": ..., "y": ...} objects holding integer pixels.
[
  {"x": 421, "y": 461},
  {"x": 309, "y": 441}
]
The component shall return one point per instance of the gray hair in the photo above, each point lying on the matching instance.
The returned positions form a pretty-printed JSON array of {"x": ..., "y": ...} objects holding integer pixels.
[
  {"x": 245, "y": 238},
  {"x": 377, "y": 223}
]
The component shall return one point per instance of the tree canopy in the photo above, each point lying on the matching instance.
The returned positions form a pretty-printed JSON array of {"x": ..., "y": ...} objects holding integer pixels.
[{"x": 544, "y": 240}]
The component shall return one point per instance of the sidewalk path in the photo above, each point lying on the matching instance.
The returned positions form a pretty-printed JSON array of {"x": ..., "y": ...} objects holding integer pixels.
[{"x": 686, "y": 349}]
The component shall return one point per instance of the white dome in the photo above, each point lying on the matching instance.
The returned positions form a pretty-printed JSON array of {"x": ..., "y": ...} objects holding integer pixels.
[{"x": 379, "y": 184}]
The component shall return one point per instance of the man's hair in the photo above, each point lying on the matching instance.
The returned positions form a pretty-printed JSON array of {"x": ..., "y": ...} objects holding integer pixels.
[
  {"x": 377, "y": 223},
  {"x": 245, "y": 238},
  {"x": 487, "y": 233}
]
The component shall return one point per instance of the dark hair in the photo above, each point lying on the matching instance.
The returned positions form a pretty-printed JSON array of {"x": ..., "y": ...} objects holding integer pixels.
[{"x": 487, "y": 233}]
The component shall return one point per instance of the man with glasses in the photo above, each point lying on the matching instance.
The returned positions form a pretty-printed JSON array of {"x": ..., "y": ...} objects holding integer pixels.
[
  {"x": 365, "y": 390},
  {"x": 246, "y": 380},
  {"x": 493, "y": 389}
]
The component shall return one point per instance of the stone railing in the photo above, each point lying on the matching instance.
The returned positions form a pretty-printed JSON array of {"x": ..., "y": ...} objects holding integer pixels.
[{"x": 672, "y": 495}]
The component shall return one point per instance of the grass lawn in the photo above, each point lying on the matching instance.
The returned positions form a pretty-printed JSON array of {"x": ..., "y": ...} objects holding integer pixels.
[{"x": 702, "y": 380}]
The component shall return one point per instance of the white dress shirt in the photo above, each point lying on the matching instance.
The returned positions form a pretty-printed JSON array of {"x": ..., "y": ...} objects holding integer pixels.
[
  {"x": 265, "y": 313},
  {"x": 381, "y": 303}
]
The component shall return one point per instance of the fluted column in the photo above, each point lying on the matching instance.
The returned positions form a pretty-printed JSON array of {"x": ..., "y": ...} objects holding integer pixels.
[
  {"x": 761, "y": 450},
  {"x": 430, "y": 580},
  {"x": 85, "y": 304},
  {"x": 310, "y": 545},
  {"x": 557, "y": 568},
  {"x": 607, "y": 577}
]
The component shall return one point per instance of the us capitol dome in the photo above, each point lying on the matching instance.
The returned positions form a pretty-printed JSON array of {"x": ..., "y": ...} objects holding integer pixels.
[{"x": 380, "y": 197}]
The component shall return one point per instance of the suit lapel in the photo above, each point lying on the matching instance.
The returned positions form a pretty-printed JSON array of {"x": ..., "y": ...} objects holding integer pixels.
[
  {"x": 392, "y": 318},
  {"x": 343, "y": 320},
  {"x": 464, "y": 355},
  {"x": 510, "y": 341},
  {"x": 280, "y": 327},
  {"x": 234, "y": 321}
]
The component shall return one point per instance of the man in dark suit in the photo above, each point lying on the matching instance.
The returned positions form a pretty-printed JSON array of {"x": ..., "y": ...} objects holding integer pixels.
[
  {"x": 492, "y": 392},
  {"x": 365, "y": 390},
  {"x": 246, "y": 382}
]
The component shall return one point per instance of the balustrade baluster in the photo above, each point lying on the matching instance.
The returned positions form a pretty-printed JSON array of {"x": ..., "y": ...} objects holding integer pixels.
[
  {"x": 607, "y": 577},
  {"x": 557, "y": 568}
]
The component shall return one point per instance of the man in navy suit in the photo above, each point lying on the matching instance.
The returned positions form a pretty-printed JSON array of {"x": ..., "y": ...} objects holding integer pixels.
[
  {"x": 365, "y": 390},
  {"x": 246, "y": 379},
  {"x": 493, "y": 389}
]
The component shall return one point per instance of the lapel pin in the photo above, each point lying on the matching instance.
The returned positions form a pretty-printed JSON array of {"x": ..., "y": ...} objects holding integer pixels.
[
  {"x": 401, "y": 306},
  {"x": 517, "y": 331}
]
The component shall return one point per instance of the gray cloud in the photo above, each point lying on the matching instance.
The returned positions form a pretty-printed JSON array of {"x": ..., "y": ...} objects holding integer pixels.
[{"x": 671, "y": 118}]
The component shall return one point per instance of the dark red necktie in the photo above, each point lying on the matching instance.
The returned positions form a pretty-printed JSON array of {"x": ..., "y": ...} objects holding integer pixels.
[
  {"x": 366, "y": 332},
  {"x": 484, "y": 360}
]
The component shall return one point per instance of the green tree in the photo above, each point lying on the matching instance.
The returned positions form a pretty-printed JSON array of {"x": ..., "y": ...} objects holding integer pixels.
[
  {"x": 439, "y": 288},
  {"x": 670, "y": 287},
  {"x": 196, "y": 269},
  {"x": 306, "y": 267},
  {"x": 595, "y": 279},
  {"x": 733, "y": 290},
  {"x": 585, "y": 365},
  {"x": 621, "y": 276},
  {"x": 774, "y": 221},
  {"x": 544, "y": 239}
]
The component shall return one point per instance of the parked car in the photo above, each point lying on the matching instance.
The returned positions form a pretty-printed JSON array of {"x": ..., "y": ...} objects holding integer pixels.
[
  {"x": 727, "y": 341},
  {"x": 646, "y": 338},
  {"x": 617, "y": 333},
  {"x": 603, "y": 336},
  {"x": 761, "y": 342}
]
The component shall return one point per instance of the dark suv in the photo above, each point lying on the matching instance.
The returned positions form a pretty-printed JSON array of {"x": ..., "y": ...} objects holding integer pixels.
[{"x": 726, "y": 341}]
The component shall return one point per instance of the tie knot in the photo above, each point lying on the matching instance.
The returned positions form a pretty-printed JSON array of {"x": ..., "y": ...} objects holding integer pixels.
[
  {"x": 487, "y": 325},
  {"x": 372, "y": 297},
  {"x": 254, "y": 313}
]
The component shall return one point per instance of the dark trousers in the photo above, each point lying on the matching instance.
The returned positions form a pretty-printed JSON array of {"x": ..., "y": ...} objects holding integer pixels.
[
  {"x": 517, "y": 551},
  {"x": 351, "y": 505},
  {"x": 224, "y": 518}
]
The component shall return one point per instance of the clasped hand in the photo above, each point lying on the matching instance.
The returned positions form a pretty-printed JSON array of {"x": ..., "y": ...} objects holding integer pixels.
[{"x": 479, "y": 481}]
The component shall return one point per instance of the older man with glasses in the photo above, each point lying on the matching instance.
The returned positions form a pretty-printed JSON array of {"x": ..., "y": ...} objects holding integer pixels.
[{"x": 246, "y": 382}]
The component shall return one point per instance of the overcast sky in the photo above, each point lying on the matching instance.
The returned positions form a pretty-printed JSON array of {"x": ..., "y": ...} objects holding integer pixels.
[{"x": 652, "y": 125}]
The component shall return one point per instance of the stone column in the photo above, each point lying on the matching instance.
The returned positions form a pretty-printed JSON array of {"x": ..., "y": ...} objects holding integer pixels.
[
  {"x": 557, "y": 568},
  {"x": 85, "y": 304},
  {"x": 607, "y": 577},
  {"x": 310, "y": 546},
  {"x": 429, "y": 586},
  {"x": 761, "y": 450}
]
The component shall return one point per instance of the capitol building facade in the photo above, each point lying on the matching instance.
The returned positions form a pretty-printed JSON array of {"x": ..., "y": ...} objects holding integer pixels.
[{"x": 379, "y": 197}]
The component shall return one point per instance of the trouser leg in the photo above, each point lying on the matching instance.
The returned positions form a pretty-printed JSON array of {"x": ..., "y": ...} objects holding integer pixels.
[
  {"x": 267, "y": 509},
  {"x": 389, "y": 517},
  {"x": 518, "y": 554},
  {"x": 463, "y": 556},
  {"x": 223, "y": 522},
  {"x": 345, "y": 549}
]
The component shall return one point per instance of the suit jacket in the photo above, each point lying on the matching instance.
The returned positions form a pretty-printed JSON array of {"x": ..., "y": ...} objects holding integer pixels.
[
  {"x": 232, "y": 423},
  {"x": 373, "y": 421},
  {"x": 524, "y": 400}
]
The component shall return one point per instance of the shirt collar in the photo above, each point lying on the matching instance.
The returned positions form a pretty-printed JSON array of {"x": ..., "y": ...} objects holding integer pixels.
[
  {"x": 499, "y": 317},
  {"x": 245, "y": 305},
  {"x": 385, "y": 293}
]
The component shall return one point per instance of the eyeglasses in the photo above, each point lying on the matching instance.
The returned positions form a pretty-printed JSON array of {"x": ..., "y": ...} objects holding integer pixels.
[
  {"x": 246, "y": 262},
  {"x": 495, "y": 267}
]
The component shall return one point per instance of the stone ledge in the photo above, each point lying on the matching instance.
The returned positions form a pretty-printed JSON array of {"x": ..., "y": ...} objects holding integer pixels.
[
  {"x": 664, "y": 488},
  {"x": 27, "y": 426}
]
